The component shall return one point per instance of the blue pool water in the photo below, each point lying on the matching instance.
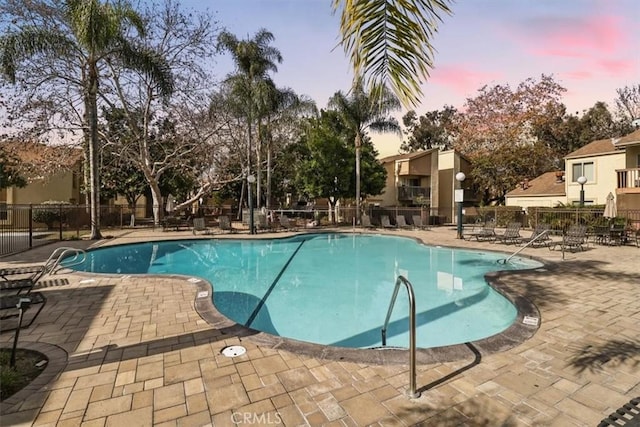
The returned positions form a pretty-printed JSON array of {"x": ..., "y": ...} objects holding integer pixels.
[{"x": 333, "y": 289}]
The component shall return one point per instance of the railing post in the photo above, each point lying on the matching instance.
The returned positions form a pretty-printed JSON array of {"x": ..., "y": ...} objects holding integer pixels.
[
  {"x": 30, "y": 226},
  {"x": 413, "y": 393}
]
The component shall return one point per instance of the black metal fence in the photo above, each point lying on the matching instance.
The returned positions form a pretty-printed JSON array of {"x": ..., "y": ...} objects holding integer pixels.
[{"x": 25, "y": 226}]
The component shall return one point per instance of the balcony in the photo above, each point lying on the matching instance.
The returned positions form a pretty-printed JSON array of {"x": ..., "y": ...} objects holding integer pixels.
[
  {"x": 628, "y": 181},
  {"x": 409, "y": 193}
]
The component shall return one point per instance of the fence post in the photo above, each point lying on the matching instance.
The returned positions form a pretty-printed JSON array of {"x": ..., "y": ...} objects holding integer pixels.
[
  {"x": 60, "y": 222},
  {"x": 30, "y": 226}
]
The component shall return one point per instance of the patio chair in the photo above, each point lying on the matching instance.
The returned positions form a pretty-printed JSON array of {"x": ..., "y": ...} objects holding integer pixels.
[
  {"x": 417, "y": 222},
  {"x": 511, "y": 234},
  {"x": 365, "y": 221},
  {"x": 539, "y": 236},
  {"x": 28, "y": 277},
  {"x": 402, "y": 222},
  {"x": 385, "y": 222},
  {"x": 574, "y": 238},
  {"x": 288, "y": 224},
  {"x": 261, "y": 223},
  {"x": 200, "y": 225},
  {"x": 627, "y": 415},
  {"x": 486, "y": 233},
  {"x": 225, "y": 224}
]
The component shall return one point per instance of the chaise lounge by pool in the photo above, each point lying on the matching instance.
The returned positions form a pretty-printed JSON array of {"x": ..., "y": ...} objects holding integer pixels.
[{"x": 334, "y": 289}]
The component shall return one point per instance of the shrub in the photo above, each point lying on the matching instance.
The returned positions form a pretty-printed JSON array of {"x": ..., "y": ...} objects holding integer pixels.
[{"x": 50, "y": 216}]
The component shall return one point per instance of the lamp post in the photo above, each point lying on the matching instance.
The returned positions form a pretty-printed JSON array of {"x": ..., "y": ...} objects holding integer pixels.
[
  {"x": 582, "y": 180},
  {"x": 251, "y": 179},
  {"x": 459, "y": 198}
]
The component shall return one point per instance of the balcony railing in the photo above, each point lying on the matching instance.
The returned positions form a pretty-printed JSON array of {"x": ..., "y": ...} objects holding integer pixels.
[
  {"x": 409, "y": 192},
  {"x": 628, "y": 178}
]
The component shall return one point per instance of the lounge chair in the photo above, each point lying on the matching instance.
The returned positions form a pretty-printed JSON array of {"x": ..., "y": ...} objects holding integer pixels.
[
  {"x": 402, "y": 222},
  {"x": 365, "y": 221},
  {"x": 417, "y": 222},
  {"x": 200, "y": 225},
  {"x": 539, "y": 236},
  {"x": 225, "y": 224},
  {"x": 288, "y": 224},
  {"x": 385, "y": 222},
  {"x": 26, "y": 280},
  {"x": 511, "y": 234},
  {"x": 486, "y": 233},
  {"x": 575, "y": 238}
]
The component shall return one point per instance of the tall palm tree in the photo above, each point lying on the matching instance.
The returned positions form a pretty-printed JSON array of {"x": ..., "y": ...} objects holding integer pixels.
[
  {"x": 389, "y": 41},
  {"x": 251, "y": 84},
  {"x": 362, "y": 111},
  {"x": 97, "y": 34}
]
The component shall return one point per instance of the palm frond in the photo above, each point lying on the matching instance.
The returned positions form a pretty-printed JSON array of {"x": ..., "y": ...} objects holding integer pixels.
[
  {"x": 27, "y": 42},
  {"x": 150, "y": 63},
  {"x": 389, "y": 41}
]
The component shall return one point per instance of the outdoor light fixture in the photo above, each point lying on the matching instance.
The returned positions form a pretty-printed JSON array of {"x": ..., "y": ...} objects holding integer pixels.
[
  {"x": 582, "y": 180},
  {"x": 459, "y": 198},
  {"x": 251, "y": 179}
]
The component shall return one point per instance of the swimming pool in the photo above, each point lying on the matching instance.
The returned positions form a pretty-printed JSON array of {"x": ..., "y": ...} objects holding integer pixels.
[{"x": 333, "y": 289}]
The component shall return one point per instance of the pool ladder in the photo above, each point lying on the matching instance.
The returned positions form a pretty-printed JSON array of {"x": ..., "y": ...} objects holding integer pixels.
[
  {"x": 76, "y": 256},
  {"x": 412, "y": 331},
  {"x": 529, "y": 243}
]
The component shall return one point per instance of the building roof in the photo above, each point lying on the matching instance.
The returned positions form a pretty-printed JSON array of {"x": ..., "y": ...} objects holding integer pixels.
[
  {"x": 38, "y": 161},
  {"x": 595, "y": 148},
  {"x": 546, "y": 184},
  {"x": 632, "y": 139},
  {"x": 406, "y": 156},
  {"x": 415, "y": 155}
]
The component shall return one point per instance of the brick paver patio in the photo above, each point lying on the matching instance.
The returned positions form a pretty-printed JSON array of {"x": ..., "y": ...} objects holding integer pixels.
[{"x": 133, "y": 351}]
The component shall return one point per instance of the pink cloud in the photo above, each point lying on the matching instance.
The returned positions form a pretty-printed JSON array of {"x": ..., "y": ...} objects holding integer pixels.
[
  {"x": 578, "y": 75},
  {"x": 620, "y": 67},
  {"x": 593, "y": 35},
  {"x": 461, "y": 79}
]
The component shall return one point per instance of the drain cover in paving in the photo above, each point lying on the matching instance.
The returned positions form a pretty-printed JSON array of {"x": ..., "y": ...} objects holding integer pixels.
[{"x": 234, "y": 351}]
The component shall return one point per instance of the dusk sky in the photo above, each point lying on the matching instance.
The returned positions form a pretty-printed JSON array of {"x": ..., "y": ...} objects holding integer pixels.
[{"x": 591, "y": 47}]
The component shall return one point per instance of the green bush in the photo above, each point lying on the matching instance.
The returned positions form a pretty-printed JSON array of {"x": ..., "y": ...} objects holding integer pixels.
[{"x": 50, "y": 216}]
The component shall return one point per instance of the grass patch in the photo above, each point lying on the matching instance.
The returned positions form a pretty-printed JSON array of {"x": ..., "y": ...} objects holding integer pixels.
[{"x": 15, "y": 379}]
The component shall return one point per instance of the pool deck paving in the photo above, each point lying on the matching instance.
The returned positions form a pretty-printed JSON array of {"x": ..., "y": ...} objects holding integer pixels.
[{"x": 141, "y": 350}]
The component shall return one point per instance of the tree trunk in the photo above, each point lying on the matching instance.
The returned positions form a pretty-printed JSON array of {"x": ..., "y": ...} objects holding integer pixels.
[
  {"x": 358, "y": 148},
  {"x": 92, "y": 116},
  {"x": 258, "y": 201},
  {"x": 156, "y": 197},
  {"x": 268, "y": 175},
  {"x": 332, "y": 209}
]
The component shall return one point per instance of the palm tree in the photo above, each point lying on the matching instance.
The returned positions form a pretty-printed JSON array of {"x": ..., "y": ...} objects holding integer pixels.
[
  {"x": 284, "y": 110},
  {"x": 251, "y": 84},
  {"x": 389, "y": 41},
  {"x": 362, "y": 111},
  {"x": 97, "y": 34}
]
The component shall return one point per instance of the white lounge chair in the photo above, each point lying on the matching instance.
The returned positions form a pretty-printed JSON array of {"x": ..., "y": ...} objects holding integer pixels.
[
  {"x": 402, "y": 222},
  {"x": 385, "y": 222}
]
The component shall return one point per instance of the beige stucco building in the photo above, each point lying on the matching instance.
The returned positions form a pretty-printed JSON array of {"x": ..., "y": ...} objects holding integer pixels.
[
  {"x": 53, "y": 173},
  {"x": 425, "y": 178},
  {"x": 609, "y": 166}
]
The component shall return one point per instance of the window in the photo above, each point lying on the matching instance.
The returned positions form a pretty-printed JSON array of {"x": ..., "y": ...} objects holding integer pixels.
[{"x": 585, "y": 169}]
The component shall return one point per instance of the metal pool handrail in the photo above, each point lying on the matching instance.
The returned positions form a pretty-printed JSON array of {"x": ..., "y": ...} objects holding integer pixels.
[
  {"x": 412, "y": 331},
  {"x": 506, "y": 260},
  {"x": 78, "y": 257}
]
